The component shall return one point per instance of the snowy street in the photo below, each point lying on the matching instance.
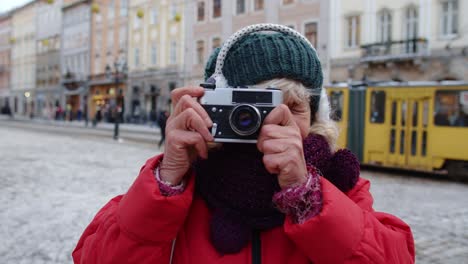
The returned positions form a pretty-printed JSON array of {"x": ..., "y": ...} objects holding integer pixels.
[{"x": 52, "y": 185}]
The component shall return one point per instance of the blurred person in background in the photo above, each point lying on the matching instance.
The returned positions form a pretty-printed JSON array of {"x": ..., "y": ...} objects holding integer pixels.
[
  {"x": 289, "y": 198},
  {"x": 162, "y": 120}
]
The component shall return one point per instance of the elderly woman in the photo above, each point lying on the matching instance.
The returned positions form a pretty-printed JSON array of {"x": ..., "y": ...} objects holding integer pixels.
[{"x": 289, "y": 198}]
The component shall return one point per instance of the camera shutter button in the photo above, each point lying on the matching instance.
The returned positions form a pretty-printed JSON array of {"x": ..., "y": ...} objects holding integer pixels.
[{"x": 213, "y": 129}]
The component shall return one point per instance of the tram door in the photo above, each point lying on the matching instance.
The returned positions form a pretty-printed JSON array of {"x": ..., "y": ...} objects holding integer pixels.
[{"x": 408, "y": 132}]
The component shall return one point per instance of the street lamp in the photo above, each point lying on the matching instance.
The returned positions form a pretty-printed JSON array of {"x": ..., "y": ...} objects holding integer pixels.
[{"x": 118, "y": 75}]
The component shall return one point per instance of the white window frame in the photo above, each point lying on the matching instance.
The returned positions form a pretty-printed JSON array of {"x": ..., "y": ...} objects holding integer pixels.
[
  {"x": 253, "y": 7},
  {"x": 235, "y": 13},
  {"x": 123, "y": 8},
  {"x": 136, "y": 21},
  {"x": 204, "y": 12},
  {"x": 154, "y": 53},
  {"x": 451, "y": 13},
  {"x": 173, "y": 52},
  {"x": 304, "y": 23},
  {"x": 111, "y": 9},
  {"x": 154, "y": 16},
  {"x": 354, "y": 37},
  {"x": 411, "y": 22},
  {"x": 384, "y": 26},
  {"x": 212, "y": 10},
  {"x": 136, "y": 57},
  {"x": 196, "y": 62}
]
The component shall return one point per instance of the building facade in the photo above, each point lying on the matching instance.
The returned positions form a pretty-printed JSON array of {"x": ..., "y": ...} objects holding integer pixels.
[
  {"x": 48, "y": 41},
  {"x": 23, "y": 59},
  {"x": 213, "y": 21},
  {"x": 75, "y": 55},
  {"x": 108, "y": 48},
  {"x": 155, "y": 55},
  {"x": 401, "y": 40},
  {"x": 5, "y": 60}
]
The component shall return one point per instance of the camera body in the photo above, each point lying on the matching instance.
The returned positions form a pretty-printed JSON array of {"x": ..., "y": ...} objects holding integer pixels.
[{"x": 238, "y": 113}]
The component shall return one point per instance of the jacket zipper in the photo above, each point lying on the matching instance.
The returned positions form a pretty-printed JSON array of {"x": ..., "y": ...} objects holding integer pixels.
[{"x": 256, "y": 247}]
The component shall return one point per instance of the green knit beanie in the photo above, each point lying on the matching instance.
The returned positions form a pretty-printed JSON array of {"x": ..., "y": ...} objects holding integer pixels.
[{"x": 260, "y": 57}]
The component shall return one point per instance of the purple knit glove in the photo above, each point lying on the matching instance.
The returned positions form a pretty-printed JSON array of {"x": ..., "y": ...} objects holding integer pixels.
[
  {"x": 340, "y": 168},
  {"x": 301, "y": 202},
  {"x": 166, "y": 188}
]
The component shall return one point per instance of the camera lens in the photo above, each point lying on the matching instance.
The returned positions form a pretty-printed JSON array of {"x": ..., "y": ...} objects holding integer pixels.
[{"x": 245, "y": 120}]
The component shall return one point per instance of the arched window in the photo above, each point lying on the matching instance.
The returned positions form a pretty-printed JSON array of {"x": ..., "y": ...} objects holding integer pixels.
[
  {"x": 411, "y": 22},
  {"x": 384, "y": 29}
]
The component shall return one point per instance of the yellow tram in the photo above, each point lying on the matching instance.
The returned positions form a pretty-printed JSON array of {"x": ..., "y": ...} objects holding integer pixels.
[{"x": 417, "y": 126}]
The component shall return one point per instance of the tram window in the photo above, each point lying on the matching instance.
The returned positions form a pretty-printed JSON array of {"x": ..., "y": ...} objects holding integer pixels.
[
  {"x": 402, "y": 142},
  {"x": 415, "y": 114},
  {"x": 403, "y": 113},
  {"x": 424, "y": 143},
  {"x": 394, "y": 109},
  {"x": 392, "y": 141},
  {"x": 413, "y": 143},
  {"x": 377, "y": 114},
  {"x": 336, "y": 103},
  {"x": 425, "y": 113},
  {"x": 451, "y": 108}
]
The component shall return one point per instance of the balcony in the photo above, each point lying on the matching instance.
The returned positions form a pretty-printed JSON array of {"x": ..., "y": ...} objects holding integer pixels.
[{"x": 401, "y": 50}]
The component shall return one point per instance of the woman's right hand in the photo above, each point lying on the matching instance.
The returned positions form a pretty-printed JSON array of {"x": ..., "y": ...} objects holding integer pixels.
[{"x": 186, "y": 134}]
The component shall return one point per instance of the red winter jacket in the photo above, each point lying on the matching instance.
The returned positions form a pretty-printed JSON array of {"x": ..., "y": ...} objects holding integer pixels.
[{"x": 140, "y": 227}]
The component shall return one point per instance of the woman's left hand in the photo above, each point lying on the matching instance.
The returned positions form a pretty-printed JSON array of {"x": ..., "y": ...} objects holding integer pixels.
[{"x": 280, "y": 141}]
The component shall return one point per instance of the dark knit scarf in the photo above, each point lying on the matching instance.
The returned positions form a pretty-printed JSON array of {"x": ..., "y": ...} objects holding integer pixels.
[{"x": 238, "y": 190}]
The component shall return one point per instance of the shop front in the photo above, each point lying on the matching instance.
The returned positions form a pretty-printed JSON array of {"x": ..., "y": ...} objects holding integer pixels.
[{"x": 103, "y": 99}]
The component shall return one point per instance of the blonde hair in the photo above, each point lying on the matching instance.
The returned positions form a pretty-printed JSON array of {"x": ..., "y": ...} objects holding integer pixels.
[{"x": 296, "y": 92}]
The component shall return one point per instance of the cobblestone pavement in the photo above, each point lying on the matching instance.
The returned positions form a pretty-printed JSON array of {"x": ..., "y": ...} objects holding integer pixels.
[{"x": 52, "y": 185}]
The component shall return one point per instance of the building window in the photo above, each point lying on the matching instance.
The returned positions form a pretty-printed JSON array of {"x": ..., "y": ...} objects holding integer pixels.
[
  {"x": 258, "y": 5},
  {"x": 98, "y": 42},
  {"x": 173, "y": 53},
  {"x": 200, "y": 51},
  {"x": 110, "y": 40},
  {"x": 385, "y": 26},
  {"x": 122, "y": 38},
  {"x": 201, "y": 11},
  {"x": 111, "y": 9},
  {"x": 240, "y": 7},
  {"x": 287, "y": 2},
  {"x": 154, "y": 54},
  {"x": 173, "y": 11},
  {"x": 411, "y": 29},
  {"x": 123, "y": 7},
  {"x": 216, "y": 43},
  {"x": 154, "y": 16},
  {"x": 449, "y": 23},
  {"x": 411, "y": 25},
  {"x": 97, "y": 65},
  {"x": 216, "y": 8},
  {"x": 353, "y": 31},
  {"x": 137, "y": 57},
  {"x": 310, "y": 32},
  {"x": 136, "y": 22}
]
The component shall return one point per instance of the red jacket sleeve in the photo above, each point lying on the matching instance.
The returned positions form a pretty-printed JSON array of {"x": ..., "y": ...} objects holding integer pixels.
[
  {"x": 347, "y": 230},
  {"x": 138, "y": 227}
]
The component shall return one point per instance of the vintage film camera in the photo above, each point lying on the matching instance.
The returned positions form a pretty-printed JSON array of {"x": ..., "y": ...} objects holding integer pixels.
[{"x": 238, "y": 113}]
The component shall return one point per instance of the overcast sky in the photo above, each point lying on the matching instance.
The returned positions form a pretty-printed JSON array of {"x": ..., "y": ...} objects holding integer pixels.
[{"x": 6, "y": 5}]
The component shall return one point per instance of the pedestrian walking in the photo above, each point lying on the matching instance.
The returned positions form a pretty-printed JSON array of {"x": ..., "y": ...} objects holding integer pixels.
[
  {"x": 162, "y": 119},
  {"x": 289, "y": 198}
]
